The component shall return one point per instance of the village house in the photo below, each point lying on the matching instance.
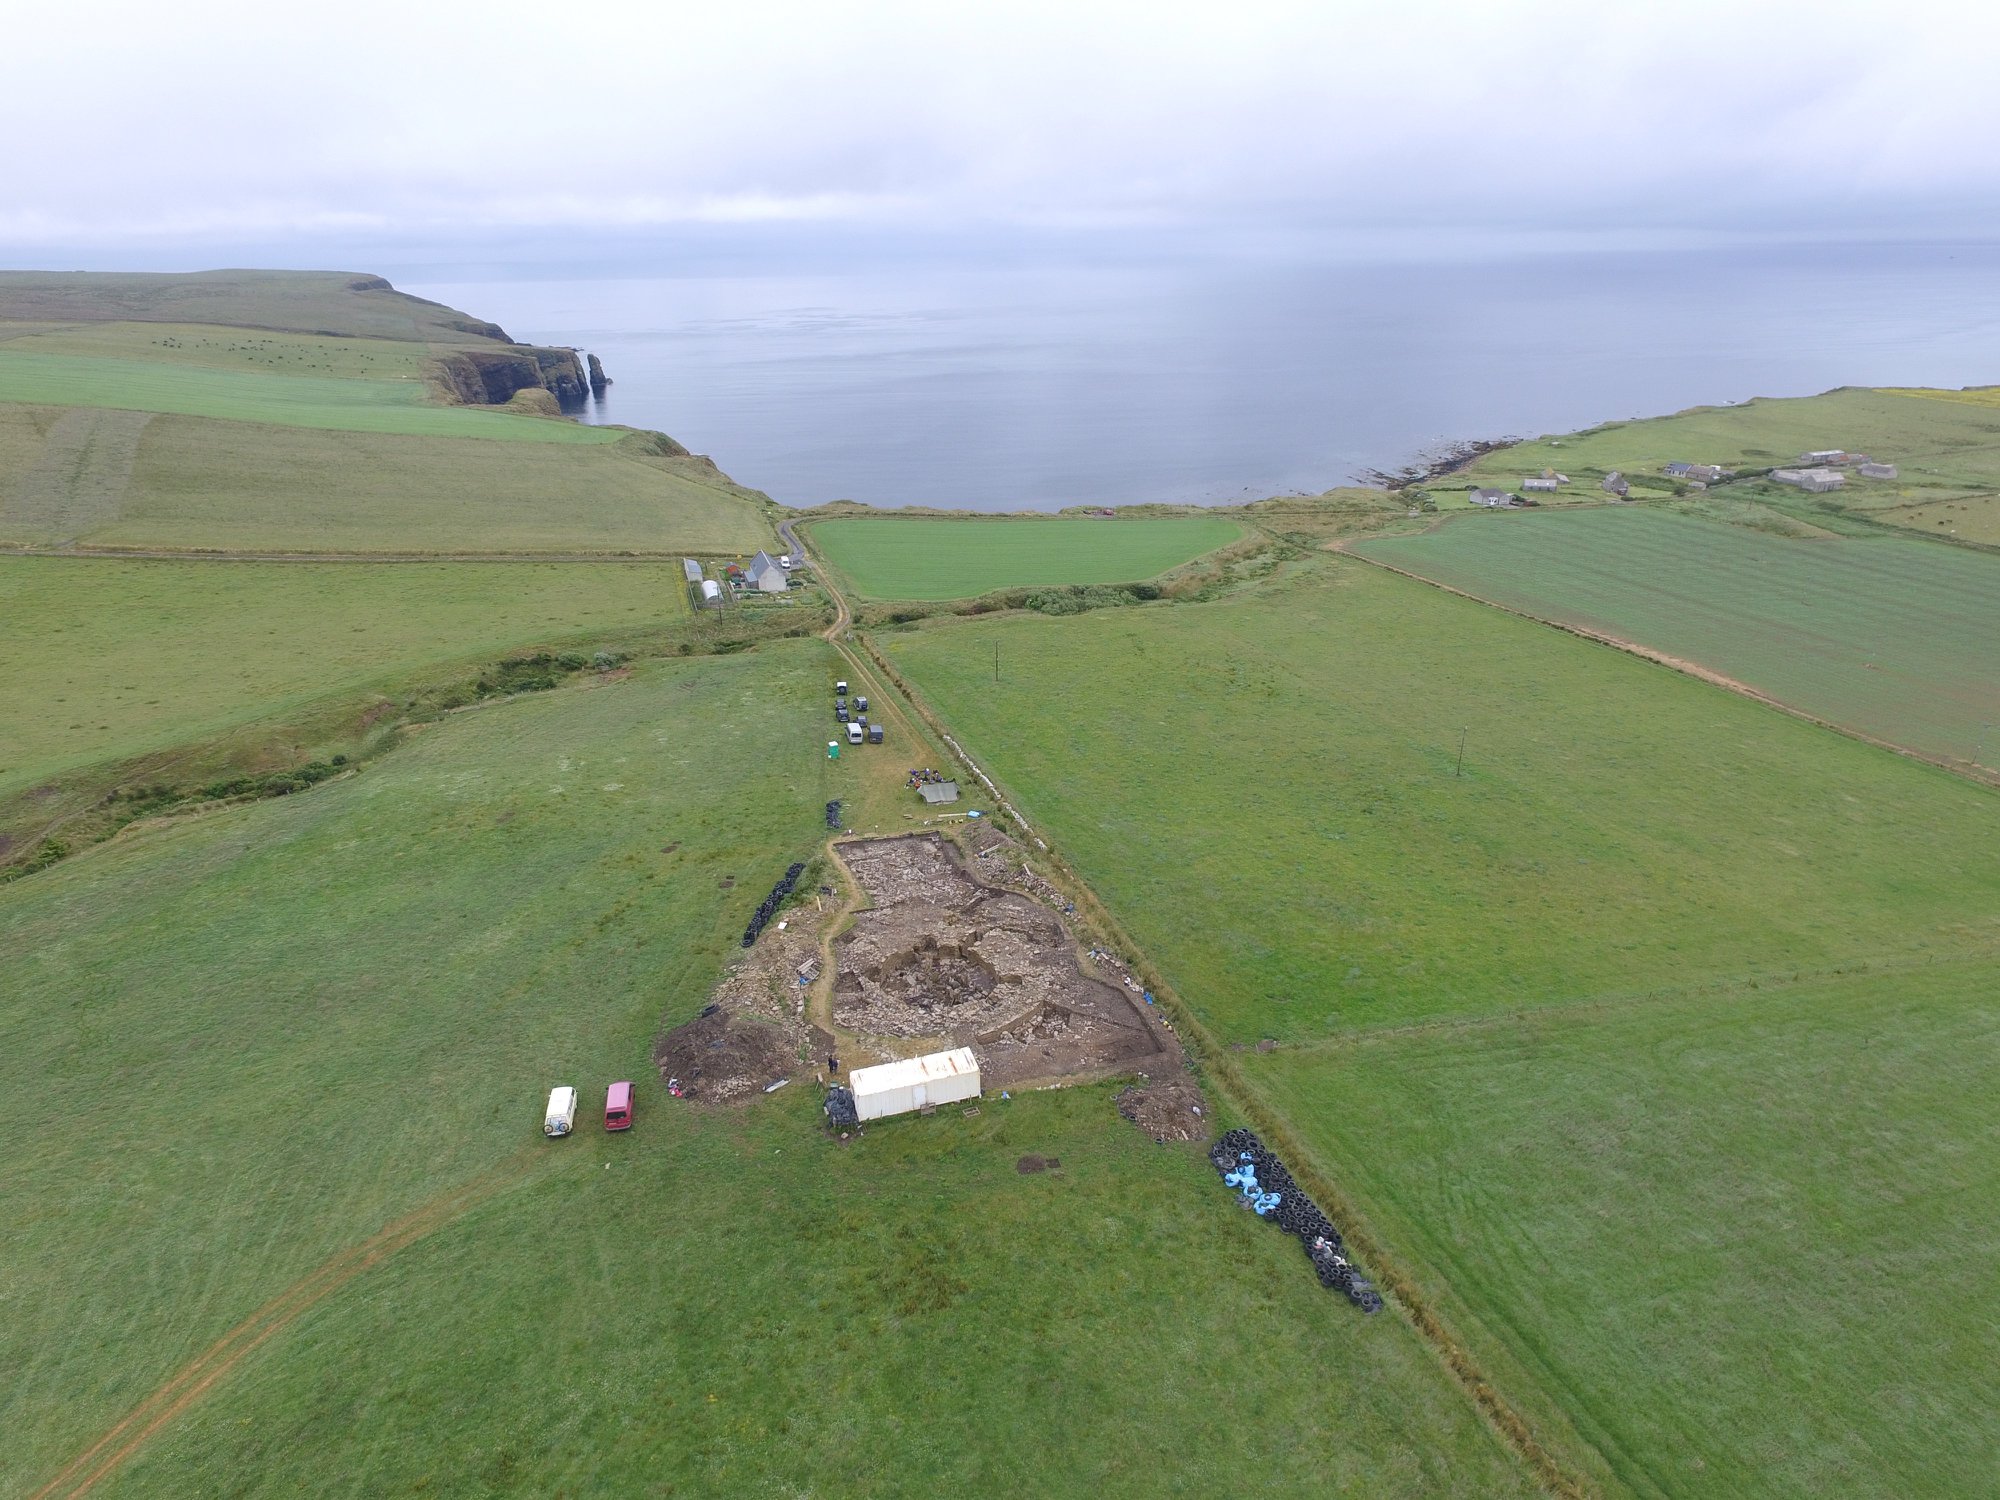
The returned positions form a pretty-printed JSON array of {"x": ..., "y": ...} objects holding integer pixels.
[
  {"x": 1614, "y": 484},
  {"x": 1876, "y": 471},
  {"x": 1705, "y": 473},
  {"x": 1541, "y": 483},
  {"x": 1818, "y": 481},
  {"x": 1491, "y": 499},
  {"x": 766, "y": 576}
]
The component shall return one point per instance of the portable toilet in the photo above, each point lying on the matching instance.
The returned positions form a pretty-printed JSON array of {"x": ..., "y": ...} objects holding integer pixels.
[
  {"x": 874, "y": 734},
  {"x": 560, "y": 1117},
  {"x": 914, "y": 1083},
  {"x": 618, "y": 1107},
  {"x": 853, "y": 734},
  {"x": 833, "y": 749}
]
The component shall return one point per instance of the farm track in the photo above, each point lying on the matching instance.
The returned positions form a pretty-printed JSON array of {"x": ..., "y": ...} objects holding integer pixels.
[
  {"x": 1971, "y": 770},
  {"x": 201, "y": 1374},
  {"x": 1554, "y": 1473}
]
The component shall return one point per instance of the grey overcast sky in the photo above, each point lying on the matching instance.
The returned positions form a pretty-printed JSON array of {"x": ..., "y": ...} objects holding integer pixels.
[{"x": 129, "y": 121}]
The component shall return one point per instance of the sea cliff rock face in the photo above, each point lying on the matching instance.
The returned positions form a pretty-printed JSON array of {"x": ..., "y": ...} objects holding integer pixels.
[
  {"x": 598, "y": 379},
  {"x": 490, "y": 377}
]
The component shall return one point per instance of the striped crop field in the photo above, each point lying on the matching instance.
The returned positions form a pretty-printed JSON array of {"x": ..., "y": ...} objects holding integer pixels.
[{"x": 1886, "y": 637}]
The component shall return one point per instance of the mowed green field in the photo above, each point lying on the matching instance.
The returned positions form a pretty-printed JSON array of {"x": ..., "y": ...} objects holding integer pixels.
[
  {"x": 341, "y": 403},
  {"x": 179, "y": 483},
  {"x": 929, "y": 558},
  {"x": 1889, "y": 637},
  {"x": 1743, "y": 1242},
  {"x": 118, "y": 658},
  {"x": 234, "y": 1048},
  {"x": 1265, "y": 790}
]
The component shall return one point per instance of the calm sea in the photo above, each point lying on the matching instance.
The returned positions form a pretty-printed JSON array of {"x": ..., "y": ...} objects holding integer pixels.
[{"x": 997, "y": 388}]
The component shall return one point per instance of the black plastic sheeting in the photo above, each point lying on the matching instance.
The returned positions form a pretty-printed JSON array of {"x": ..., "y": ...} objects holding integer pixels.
[
  {"x": 840, "y": 1110},
  {"x": 833, "y": 813},
  {"x": 1297, "y": 1214},
  {"x": 771, "y": 903}
]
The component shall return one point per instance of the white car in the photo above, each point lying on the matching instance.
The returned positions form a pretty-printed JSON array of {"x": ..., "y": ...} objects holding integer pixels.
[{"x": 784, "y": 559}]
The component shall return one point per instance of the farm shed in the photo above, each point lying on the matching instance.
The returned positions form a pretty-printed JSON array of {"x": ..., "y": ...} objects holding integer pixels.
[
  {"x": 898, "y": 1088},
  {"x": 1490, "y": 498},
  {"x": 1878, "y": 471},
  {"x": 711, "y": 594},
  {"x": 1614, "y": 484},
  {"x": 1817, "y": 481},
  {"x": 939, "y": 791},
  {"x": 692, "y": 568},
  {"x": 766, "y": 576},
  {"x": 1545, "y": 483}
]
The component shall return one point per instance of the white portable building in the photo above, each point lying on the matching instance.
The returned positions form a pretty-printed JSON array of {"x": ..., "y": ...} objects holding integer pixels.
[
  {"x": 561, "y": 1116},
  {"x": 897, "y": 1088}
]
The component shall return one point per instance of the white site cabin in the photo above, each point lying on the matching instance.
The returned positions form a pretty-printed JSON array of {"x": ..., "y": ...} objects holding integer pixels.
[{"x": 914, "y": 1083}]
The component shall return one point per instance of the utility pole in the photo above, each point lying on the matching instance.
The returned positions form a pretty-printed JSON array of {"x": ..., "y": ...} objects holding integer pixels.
[
  {"x": 996, "y": 661},
  {"x": 1459, "y": 770}
]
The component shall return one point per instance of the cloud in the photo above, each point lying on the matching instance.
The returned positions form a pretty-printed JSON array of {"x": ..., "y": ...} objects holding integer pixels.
[{"x": 226, "y": 118}]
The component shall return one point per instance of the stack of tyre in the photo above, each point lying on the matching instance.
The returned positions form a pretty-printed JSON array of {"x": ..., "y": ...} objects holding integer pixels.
[
  {"x": 771, "y": 903},
  {"x": 839, "y": 1106},
  {"x": 1295, "y": 1213}
]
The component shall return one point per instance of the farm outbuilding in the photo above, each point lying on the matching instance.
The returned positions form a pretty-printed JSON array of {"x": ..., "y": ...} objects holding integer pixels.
[
  {"x": 1546, "y": 484},
  {"x": 711, "y": 594},
  {"x": 914, "y": 1083},
  {"x": 1615, "y": 484},
  {"x": 1815, "y": 481},
  {"x": 692, "y": 568},
  {"x": 766, "y": 576},
  {"x": 1877, "y": 471}
]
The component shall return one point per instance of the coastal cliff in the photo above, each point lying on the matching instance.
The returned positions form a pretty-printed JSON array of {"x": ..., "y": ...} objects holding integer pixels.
[{"x": 491, "y": 377}]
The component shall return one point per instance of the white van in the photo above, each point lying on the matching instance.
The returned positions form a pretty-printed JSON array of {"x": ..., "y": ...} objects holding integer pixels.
[
  {"x": 561, "y": 1116},
  {"x": 854, "y": 732}
]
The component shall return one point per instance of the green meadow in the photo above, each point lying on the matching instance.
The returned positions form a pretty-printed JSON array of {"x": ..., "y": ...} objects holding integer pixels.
[
  {"x": 929, "y": 558},
  {"x": 338, "y": 403},
  {"x": 1652, "y": 1040},
  {"x": 1889, "y": 637},
  {"x": 235, "y": 1047},
  {"x": 126, "y": 657}
]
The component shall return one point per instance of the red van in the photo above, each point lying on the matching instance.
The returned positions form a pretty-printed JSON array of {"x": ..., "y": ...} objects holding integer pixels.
[{"x": 618, "y": 1107}]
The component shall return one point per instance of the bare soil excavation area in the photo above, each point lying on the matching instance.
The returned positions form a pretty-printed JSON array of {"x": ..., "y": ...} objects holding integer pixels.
[{"x": 939, "y": 956}]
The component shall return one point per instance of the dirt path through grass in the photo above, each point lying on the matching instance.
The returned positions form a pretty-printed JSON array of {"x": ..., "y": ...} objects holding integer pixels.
[
  {"x": 199, "y": 1375},
  {"x": 79, "y": 482}
]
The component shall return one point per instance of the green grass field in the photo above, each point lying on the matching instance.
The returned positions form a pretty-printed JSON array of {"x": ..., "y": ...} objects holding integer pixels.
[
  {"x": 1482, "y": 984},
  {"x": 340, "y": 303},
  {"x": 928, "y": 558},
  {"x": 236, "y": 1047},
  {"x": 122, "y": 658},
  {"x": 337, "y": 403},
  {"x": 192, "y": 484},
  {"x": 243, "y": 350},
  {"x": 1744, "y": 1241},
  {"x": 1892, "y": 638}
]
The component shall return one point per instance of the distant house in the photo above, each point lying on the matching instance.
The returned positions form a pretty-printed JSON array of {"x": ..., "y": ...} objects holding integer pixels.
[
  {"x": 1821, "y": 458},
  {"x": 1705, "y": 473},
  {"x": 1679, "y": 471},
  {"x": 692, "y": 568},
  {"x": 939, "y": 791},
  {"x": 1491, "y": 499},
  {"x": 766, "y": 576},
  {"x": 1543, "y": 484},
  {"x": 1614, "y": 484},
  {"x": 1817, "y": 481},
  {"x": 1877, "y": 471}
]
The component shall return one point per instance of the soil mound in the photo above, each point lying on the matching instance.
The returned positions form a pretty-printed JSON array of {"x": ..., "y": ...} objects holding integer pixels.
[
  {"x": 719, "y": 1057},
  {"x": 1169, "y": 1108}
]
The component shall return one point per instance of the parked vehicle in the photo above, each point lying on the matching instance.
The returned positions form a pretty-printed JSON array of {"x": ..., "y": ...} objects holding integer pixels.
[
  {"x": 853, "y": 734},
  {"x": 862, "y": 704},
  {"x": 840, "y": 687},
  {"x": 785, "y": 561},
  {"x": 618, "y": 1107},
  {"x": 560, "y": 1118},
  {"x": 874, "y": 734}
]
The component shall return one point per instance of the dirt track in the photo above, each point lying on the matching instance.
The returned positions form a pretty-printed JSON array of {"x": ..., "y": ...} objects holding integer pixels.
[{"x": 194, "y": 1379}]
